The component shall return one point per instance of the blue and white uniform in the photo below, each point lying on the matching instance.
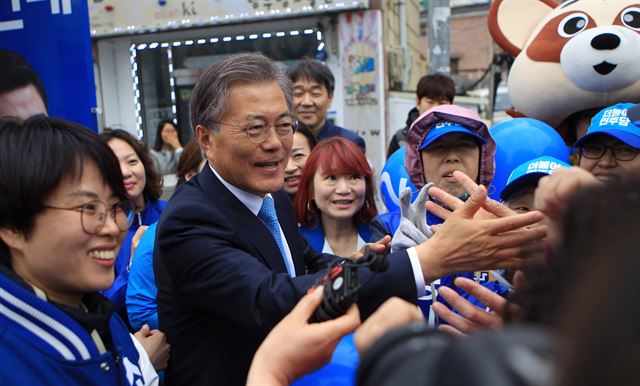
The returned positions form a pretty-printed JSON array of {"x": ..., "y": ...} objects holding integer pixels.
[{"x": 40, "y": 344}]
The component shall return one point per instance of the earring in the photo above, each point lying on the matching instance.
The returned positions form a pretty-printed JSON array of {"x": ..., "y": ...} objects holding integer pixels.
[
  {"x": 309, "y": 206},
  {"x": 366, "y": 204}
]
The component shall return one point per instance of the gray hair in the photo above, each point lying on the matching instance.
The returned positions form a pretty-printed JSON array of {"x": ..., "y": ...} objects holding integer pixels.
[{"x": 210, "y": 98}]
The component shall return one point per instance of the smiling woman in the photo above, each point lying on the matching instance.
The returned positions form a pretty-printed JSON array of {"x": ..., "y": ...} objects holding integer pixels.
[
  {"x": 61, "y": 225},
  {"x": 334, "y": 202},
  {"x": 303, "y": 142},
  {"x": 142, "y": 182}
]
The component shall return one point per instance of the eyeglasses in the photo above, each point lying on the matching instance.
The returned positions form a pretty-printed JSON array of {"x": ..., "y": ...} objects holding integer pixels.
[
  {"x": 257, "y": 130},
  {"x": 619, "y": 152},
  {"x": 93, "y": 215}
]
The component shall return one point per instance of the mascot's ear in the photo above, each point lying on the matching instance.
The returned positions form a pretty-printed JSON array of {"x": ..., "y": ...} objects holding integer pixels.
[{"x": 511, "y": 22}]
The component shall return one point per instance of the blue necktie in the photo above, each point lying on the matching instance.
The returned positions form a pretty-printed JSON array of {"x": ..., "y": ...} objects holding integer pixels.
[{"x": 268, "y": 215}]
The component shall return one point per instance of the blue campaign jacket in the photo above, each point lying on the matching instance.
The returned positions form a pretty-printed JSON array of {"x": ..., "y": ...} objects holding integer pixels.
[
  {"x": 116, "y": 293},
  {"x": 315, "y": 235},
  {"x": 41, "y": 345},
  {"x": 142, "y": 293}
]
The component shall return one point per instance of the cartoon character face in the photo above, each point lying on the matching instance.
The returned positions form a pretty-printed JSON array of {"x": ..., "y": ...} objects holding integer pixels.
[{"x": 569, "y": 57}]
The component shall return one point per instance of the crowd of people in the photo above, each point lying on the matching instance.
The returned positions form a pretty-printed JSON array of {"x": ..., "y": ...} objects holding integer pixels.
[{"x": 103, "y": 282}]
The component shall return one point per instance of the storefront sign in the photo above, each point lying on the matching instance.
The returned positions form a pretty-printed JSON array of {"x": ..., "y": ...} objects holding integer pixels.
[{"x": 116, "y": 17}]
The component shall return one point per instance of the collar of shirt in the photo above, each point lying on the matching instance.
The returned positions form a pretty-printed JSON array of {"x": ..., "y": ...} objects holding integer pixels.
[{"x": 252, "y": 201}]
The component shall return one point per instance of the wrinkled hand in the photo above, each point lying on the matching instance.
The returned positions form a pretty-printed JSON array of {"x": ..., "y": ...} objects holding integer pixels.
[
  {"x": 413, "y": 228},
  {"x": 155, "y": 345},
  {"x": 554, "y": 193},
  {"x": 393, "y": 313},
  {"x": 379, "y": 246},
  {"x": 466, "y": 244},
  {"x": 490, "y": 208},
  {"x": 296, "y": 347},
  {"x": 470, "y": 318},
  {"x": 555, "y": 190}
]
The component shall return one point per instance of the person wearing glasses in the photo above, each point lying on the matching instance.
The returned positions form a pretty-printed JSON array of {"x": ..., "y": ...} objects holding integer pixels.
[
  {"x": 608, "y": 152},
  {"x": 61, "y": 226},
  {"x": 229, "y": 260},
  {"x": 609, "y": 149}
]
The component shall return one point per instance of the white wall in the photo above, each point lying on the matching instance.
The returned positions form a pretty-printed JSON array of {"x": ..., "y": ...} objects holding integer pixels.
[{"x": 116, "y": 84}]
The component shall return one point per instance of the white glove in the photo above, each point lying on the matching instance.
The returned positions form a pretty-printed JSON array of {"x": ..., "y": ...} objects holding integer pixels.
[{"x": 413, "y": 228}]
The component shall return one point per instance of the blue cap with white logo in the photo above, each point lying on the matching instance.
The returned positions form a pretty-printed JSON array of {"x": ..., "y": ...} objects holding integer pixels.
[
  {"x": 529, "y": 173},
  {"x": 614, "y": 121},
  {"x": 444, "y": 127}
]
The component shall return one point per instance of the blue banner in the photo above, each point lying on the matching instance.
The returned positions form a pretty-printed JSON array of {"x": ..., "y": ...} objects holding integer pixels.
[{"x": 54, "y": 37}]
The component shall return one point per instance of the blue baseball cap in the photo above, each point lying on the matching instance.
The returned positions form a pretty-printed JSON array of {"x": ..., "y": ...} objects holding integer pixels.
[
  {"x": 530, "y": 172},
  {"x": 444, "y": 127},
  {"x": 613, "y": 121}
]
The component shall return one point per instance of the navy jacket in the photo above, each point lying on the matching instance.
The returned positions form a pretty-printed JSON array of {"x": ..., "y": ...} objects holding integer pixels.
[
  {"x": 222, "y": 282},
  {"x": 329, "y": 130}
]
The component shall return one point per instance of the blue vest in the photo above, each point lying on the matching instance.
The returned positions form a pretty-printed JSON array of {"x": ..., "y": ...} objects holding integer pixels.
[
  {"x": 315, "y": 235},
  {"x": 42, "y": 345}
]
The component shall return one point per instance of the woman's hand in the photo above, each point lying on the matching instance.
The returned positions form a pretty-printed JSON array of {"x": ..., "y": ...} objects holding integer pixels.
[
  {"x": 296, "y": 347},
  {"x": 393, "y": 313},
  {"x": 379, "y": 246},
  {"x": 155, "y": 345}
]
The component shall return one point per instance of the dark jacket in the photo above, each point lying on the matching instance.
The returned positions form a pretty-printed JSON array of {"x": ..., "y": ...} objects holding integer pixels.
[
  {"x": 400, "y": 137},
  {"x": 222, "y": 282},
  {"x": 329, "y": 130}
]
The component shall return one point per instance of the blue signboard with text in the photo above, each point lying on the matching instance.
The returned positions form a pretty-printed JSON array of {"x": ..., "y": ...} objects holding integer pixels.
[{"x": 54, "y": 37}]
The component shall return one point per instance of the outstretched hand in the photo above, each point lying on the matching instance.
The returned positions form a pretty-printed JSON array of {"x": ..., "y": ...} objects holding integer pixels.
[
  {"x": 380, "y": 246},
  {"x": 490, "y": 208},
  {"x": 296, "y": 347},
  {"x": 470, "y": 318},
  {"x": 393, "y": 313},
  {"x": 466, "y": 244}
]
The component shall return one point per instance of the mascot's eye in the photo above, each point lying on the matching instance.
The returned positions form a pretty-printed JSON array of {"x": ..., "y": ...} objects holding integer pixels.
[
  {"x": 572, "y": 24},
  {"x": 631, "y": 18}
]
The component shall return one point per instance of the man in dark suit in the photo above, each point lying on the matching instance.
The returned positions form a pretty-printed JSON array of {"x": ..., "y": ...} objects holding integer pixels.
[{"x": 230, "y": 262}]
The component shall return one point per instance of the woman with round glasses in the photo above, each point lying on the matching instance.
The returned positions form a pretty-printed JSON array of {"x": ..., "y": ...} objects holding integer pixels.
[
  {"x": 63, "y": 216},
  {"x": 142, "y": 183},
  {"x": 609, "y": 149}
]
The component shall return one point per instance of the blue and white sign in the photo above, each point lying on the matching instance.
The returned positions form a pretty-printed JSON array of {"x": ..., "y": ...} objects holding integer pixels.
[{"x": 54, "y": 37}]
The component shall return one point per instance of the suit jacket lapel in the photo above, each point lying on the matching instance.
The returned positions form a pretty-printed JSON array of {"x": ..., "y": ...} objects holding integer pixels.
[{"x": 252, "y": 235}]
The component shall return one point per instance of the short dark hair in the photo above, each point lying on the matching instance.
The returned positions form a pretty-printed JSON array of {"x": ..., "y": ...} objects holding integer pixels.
[
  {"x": 436, "y": 87},
  {"x": 314, "y": 70},
  {"x": 306, "y": 131},
  {"x": 16, "y": 72},
  {"x": 210, "y": 96},
  {"x": 158, "y": 144},
  {"x": 189, "y": 161},
  {"x": 35, "y": 157},
  {"x": 153, "y": 186}
]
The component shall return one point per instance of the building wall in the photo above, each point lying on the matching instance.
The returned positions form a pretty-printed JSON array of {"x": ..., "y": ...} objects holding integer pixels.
[
  {"x": 416, "y": 63},
  {"x": 472, "y": 47}
]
